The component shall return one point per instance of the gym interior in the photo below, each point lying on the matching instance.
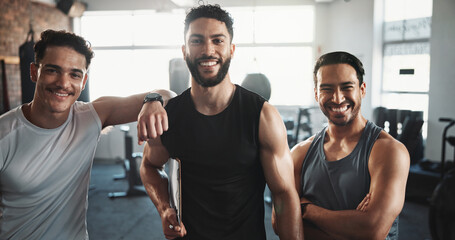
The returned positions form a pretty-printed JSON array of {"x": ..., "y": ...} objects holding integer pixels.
[{"x": 406, "y": 47}]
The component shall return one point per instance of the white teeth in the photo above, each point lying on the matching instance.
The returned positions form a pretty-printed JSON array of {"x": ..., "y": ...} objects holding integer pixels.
[
  {"x": 61, "y": 94},
  {"x": 342, "y": 109},
  {"x": 207, "y": 64}
]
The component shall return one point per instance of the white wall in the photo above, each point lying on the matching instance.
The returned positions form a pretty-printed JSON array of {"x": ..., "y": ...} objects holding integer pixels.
[
  {"x": 442, "y": 77},
  {"x": 109, "y": 5},
  {"x": 348, "y": 26}
]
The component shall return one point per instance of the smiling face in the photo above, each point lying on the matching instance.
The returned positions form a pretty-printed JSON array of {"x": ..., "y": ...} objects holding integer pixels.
[
  {"x": 60, "y": 78},
  {"x": 338, "y": 93},
  {"x": 208, "y": 51}
]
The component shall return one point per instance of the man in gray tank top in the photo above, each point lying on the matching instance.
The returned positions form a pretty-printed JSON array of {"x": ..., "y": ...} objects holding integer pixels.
[{"x": 351, "y": 176}]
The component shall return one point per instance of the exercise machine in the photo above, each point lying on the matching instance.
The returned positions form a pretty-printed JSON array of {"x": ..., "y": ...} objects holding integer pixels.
[
  {"x": 131, "y": 165},
  {"x": 442, "y": 207}
]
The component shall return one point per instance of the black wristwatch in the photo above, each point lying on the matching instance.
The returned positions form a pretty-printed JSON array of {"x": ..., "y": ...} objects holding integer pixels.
[
  {"x": 151, "y": 97},
  {"x": 303, "y": 207}
]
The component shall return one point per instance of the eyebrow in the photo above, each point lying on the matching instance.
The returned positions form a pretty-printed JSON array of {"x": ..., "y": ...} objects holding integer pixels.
[
  {"x": 342, "y": 84},
  {"x": 211, "y": 36},
  {"x": 60, "y": 68}
]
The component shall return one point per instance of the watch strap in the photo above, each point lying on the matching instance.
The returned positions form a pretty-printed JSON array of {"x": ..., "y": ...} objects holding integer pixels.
[
  {"x": 303, "y": 206},
  {"x": 151, "y": 97}
]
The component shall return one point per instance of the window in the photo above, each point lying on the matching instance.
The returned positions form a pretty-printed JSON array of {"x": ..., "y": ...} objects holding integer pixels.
[
  {"x": 133, "y": 49},
  {"x": 406, "y": 55}
]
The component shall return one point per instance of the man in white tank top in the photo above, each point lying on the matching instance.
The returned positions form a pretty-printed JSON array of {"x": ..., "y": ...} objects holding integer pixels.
[
  {"x": 47, "y": 145},
  {"x": 333, "y": 156}
]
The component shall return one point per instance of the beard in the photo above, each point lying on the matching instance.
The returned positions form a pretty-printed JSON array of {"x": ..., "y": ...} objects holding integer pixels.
[
  {"x": 208, "y": 82},
  {"x": 338, "y": 121}
]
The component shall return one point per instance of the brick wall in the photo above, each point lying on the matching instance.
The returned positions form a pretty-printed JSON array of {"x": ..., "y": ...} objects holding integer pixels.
[{"x": 15, "y": 19}]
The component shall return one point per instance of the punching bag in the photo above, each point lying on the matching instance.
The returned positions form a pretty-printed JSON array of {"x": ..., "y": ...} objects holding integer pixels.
[
  {"x": 5, "y": 107},
  {"x": 85, "y": 94},
  {"x": 179, "y": 75},
  {"x": 27, "y": 56}
]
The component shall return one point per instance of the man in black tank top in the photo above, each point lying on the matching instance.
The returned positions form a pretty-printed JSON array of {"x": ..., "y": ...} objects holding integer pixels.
[
  {"x": 230, "y": 142},
  {"x": 351, "y": 176}
]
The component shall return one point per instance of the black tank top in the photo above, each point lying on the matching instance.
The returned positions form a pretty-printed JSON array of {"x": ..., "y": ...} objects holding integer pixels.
[
  {"x": 341, "y": 184},
  {"x": 222, "y": 177}
]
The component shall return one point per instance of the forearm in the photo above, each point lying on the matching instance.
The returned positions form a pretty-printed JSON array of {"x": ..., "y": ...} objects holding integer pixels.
[
  {"x": 348, "y": 224},
  {"x": 156, "y": 184},
  {"x": 120, "y": 110},
  {"x": 287, "y": 215},
  {"x": 314, "y": 233}
]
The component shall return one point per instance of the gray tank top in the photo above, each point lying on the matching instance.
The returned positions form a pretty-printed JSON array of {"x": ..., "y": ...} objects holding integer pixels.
[{"x": 341, "y": 184}]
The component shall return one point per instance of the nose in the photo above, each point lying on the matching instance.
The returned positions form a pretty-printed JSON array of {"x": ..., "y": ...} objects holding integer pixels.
[
  {"x": 338, "y": 96},
  {"x": 208, "y": 48},
  {"x": 63, "y": 81}
]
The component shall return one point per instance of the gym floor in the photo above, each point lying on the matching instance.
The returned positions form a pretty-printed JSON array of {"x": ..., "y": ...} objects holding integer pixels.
[{"x": 135, "y": 217}]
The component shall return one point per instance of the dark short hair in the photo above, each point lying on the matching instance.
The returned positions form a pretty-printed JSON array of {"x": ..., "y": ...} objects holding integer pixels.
[
  {"x": 339, "y": 58},
  {"x": 210, "y": 11},
  {"x": 62, "y": 39}
]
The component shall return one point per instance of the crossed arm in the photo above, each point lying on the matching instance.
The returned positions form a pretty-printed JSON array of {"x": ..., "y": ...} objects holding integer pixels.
[
  {"x": 278, "y": 170},
  {"x": 389, "y": 167}
]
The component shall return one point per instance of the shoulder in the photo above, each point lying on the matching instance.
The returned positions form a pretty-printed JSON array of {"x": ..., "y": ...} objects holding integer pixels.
[
  {"x": 247, "y": 95},
  {"x": 86, "y": 112},
  {"x": 386, "y": 142},
  {"x": 387, "y": 149},
  {"x": 178, "y": 100},
  {"x": 82, "y": 106},
  {"x": 9, "y": 121},
  {"x": 299, "y": 151},
  {"x": 269, "y": 114},
  {"x": 178, "y": 108}
]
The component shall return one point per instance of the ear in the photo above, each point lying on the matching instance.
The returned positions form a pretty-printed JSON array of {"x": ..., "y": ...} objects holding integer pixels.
[
  {"x": 33, "y": 72},
  {"x": 232, "y": 50},
  {"x": 363, "y": 89},
  {"x": 184, "y": 52},
  {"x": 316, "y": 94},
  {"x": 85, "y": 81}
]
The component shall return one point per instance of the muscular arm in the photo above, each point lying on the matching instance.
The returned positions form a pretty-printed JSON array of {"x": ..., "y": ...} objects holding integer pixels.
[
  {"x": 155, "y": 181},
  {"x": 278, "y": 170},
  {"x": 298, "y": 154},
  {"x": 389, "y": 167},
  {"x": 118, "y": 110}
]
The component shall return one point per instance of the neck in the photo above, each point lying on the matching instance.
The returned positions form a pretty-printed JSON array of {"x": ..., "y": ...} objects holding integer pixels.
[
  {"x": 352, "y": 130},
  {"x": 42, "y": 117},
  {"x": 212, "y": 100}
]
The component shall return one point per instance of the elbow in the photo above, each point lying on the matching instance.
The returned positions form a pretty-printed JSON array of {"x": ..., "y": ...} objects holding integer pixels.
[
  {"x": 376, "y": 229},
  {"x": 375, "y": 235}
]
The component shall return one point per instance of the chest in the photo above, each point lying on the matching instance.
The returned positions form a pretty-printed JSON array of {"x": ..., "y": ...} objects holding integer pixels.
[
  {"x": 37, "y": 162},
  {"x": 221, "y": 144},
  {"x": 338, "y": 150}
]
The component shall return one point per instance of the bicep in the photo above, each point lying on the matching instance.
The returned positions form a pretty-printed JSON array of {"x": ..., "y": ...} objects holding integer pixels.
[
  {"x": 298, "y": 153},
  {"x": 155, "y": 154},
  {"x": 118, "y": 110},
  {"x": 389, "y": 168},
  {"x": 275, "y": 156}
]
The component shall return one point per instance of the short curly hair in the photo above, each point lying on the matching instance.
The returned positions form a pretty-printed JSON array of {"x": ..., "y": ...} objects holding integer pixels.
[
  {"x": 62, "y": 39},
  {"x": 210, "y": 11}
]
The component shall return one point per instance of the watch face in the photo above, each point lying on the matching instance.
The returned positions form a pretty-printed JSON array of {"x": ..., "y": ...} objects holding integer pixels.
[{"x": 153, "y": 97}]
